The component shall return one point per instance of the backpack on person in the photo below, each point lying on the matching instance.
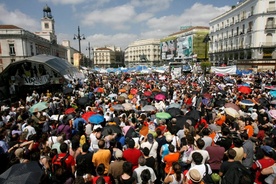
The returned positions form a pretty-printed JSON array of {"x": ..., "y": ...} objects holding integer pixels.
[
  {"x": 207, "y": 178},
  {"x": 60, "y": 170},
  {"x": 237, "y": 174}
]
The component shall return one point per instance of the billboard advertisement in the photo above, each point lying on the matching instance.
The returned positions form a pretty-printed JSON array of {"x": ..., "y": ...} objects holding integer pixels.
[
  {"x": 185, "y": 46},
  {"x": 168, "y": 49}
]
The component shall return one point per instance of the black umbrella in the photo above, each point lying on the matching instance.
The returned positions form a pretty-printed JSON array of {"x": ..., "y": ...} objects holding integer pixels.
[
  {"x": 174, "y": 112},
  {"x": 130, "y": 133},
  {"x": 29, "y": 173},
  {"x": 181, "y": 120},
  {"x": 193, "y": 114},
  {"x": 83, "y": 100},
  {"x": 111, "y": 129},
  {"x": 219, "y": 103},
  {"x": 264, "y": 102},
  {"x": 67, "y": 90}
]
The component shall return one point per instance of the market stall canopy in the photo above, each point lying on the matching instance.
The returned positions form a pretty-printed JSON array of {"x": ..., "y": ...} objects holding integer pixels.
[{"x": 40, "y": 70}]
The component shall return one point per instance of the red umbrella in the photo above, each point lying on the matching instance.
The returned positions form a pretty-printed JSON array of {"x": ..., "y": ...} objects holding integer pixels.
[
  {"x": 147, "y": 93},
  {"x": 133, "y": 91},
  {"x": 88, "y": 115},
  {"x": 244, "y": 89},
  {"x": 69, "y": 110}
]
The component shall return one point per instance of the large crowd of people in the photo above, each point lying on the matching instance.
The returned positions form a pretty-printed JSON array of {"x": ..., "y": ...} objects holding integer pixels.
[{"x": 145, "y": 129}]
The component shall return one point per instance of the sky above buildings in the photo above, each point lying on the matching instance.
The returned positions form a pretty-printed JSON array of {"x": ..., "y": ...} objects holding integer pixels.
[{"x": 113, "y": 22}]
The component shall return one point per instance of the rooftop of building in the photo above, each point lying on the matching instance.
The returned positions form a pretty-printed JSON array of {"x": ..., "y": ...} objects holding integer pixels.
[
  {"x": 189, "y": 29},
  {"x": 9, "y": 27}
]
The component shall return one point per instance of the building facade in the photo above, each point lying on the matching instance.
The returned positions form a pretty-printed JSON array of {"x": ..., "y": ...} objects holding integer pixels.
[
  {"x": 17, "y": 43},
  {"x": 143, "y": 52},
  {"x": 186, "y": 45},
  {"x": 245, "y": 36},
  {"x": 106, "y": 57}
]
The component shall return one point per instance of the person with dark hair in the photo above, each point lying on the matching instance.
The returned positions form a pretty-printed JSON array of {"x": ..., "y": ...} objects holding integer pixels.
[
  {"x": 170, "y": 158},
  {"x": 238, "y": 148},
  {"x": 145, "y": 176},
  {"x": 142, "y": 166},
  {"x": 206, "y": 138},
  {"x": 225, "y": 140},
  {"x": 177, "y": 177},
  {"x": 150, "y": 161},
  {"x": 198, "y": 148},
  {"x": 126, "y": 177},
  {"x": 132, "y": 154},
  {"x": 70, "y": 161},
  {"x": 248, "y": 147},
  {"x": 231, "y": 154},
  {"x": 65, "y": 128},
  {"x": 100, "y": 174},
  {"x": 102, "y": 156},
  {"x": 83, "y": 161},
  {"x": 100, "y": 180}
]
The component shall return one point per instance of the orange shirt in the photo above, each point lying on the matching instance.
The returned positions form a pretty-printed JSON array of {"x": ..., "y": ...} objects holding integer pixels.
[
  {"x": 249, "y": 129},
  {"x": 169, "y": 160},
  {"x": 221, "y": 120}
]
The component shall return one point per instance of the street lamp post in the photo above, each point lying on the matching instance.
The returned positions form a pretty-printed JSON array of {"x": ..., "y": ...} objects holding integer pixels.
[
  {"x": 79, "y": 37},
  {"x": 206, "y": 40},
  {"x": 89, "y": 54}
]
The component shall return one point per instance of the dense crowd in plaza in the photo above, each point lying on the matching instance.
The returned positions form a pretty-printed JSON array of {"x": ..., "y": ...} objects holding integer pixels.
[{"x": 144, "y": 128}]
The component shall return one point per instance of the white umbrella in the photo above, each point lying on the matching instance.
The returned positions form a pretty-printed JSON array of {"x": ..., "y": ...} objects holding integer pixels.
[
  {"x": 232, "y": 112},
  {"x": 148, "y": 108}
]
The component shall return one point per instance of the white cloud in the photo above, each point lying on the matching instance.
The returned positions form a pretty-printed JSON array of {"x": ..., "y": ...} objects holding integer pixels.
[
  {"x": 143, "y": 17},
  {"x": 171, "y": 23},
  {"x": 119, "y": 40},
  {"x": 114, "y": 17},
  {"x": 150, "y": 27},
  {"x": 63, "y": 1},
  {"x": 17, "y": 18},
  {"x": 152, "y": 5}
]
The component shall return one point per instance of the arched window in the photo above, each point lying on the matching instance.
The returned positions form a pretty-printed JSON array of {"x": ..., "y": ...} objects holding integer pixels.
[{"x": 268, "y": 39}]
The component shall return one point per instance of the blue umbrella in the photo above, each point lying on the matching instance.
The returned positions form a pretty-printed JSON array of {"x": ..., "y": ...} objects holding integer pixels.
[
  {"x": 247, "y": 103},
  {"x": 96, "y": 119},
  {"x": 273, "y": 93}
]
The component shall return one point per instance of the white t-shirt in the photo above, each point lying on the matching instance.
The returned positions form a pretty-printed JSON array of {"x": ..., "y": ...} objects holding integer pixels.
[
  {"x": 204, "y": 154},
  {"x": 31, "y": 131},
  {"x": 201, "y": 169}
]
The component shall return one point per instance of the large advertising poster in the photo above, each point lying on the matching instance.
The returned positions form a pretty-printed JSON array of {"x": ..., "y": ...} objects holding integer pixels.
[
  {"x": 168, "y": 49},
  {"x": 185, "y": 46}
]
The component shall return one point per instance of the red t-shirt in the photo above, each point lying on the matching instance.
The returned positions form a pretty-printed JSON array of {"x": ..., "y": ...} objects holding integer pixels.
[
  {"x": 131, "y": 155},
  {"x": 106, "y": 179},
  {"x": 70, "y": 161},
  {"x": 259, "y": 165}
]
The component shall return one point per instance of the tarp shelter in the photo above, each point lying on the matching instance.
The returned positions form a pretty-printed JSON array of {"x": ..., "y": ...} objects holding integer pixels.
[{"x": 36, "y": 72}]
